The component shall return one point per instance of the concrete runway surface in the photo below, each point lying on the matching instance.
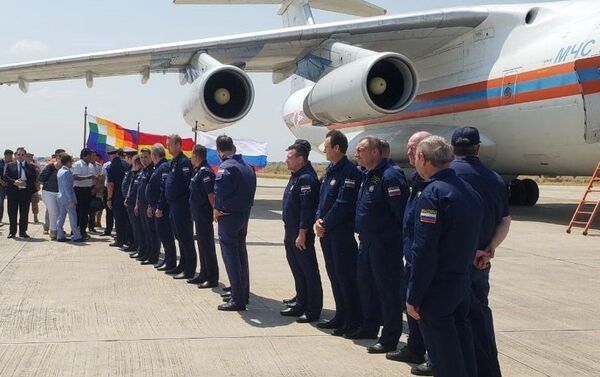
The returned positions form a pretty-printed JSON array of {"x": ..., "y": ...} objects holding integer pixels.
[{"x": 89, "y": 310}]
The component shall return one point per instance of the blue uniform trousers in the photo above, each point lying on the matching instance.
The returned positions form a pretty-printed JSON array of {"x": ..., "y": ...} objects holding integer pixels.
[
  {"x": 415, "y": 339},
  {"x": 136, "y": 229},
  {"x": 233, "y": 229},
  {"x": 205, "y": 238},
  {"x": 449, "y": 340},
  {"x": 482, "y": 324},
  {"x": 151, "y": 246},
  {"x": 379, "y": 277},
  {"x": 121, "y": 221},
  {"x": 340, "y": 252},
  {"x": 305, "y": 269},
  {"x": 163, "y": 228},
  {"x": 183, "y": 229}
]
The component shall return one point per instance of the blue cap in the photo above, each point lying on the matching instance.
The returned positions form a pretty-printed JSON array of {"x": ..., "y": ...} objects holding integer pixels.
[{"x": 465, "y": 137}]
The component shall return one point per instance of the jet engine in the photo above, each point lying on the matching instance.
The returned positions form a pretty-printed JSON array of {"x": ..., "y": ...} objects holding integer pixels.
[
  {"x": 369, "y": 87},
  {"x": 221, "y": 95}
]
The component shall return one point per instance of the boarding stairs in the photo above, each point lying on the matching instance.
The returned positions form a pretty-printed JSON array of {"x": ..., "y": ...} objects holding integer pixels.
[{"x": 589, "y": 206}]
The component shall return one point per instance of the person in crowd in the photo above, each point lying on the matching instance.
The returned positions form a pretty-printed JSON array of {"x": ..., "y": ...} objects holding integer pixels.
[
  {"x": 494, "y": 229},
  {"x": 414, "y": 351},
  {"x": 8, "y": 158},
  {"x": 335, "y": 228},
  {"x": 67, "y": 201},
  {"x": 202, "y": 201},
  {"x": 446, "y": 233},
  {"x": 20, "y": 177},
  {"x": 130, "y": 193},
  {"x": 110, "y": 220},
  {"x": 35, "y": 197},
  {"x": 84, "y": 174},
  {"x": 379, "y": 213},
  {"x": 300, "y": 201},
  {"x": 151, "y": 245},
  {"x": 49, "y": 180},
  {"x": 235, "y": 187},
  {"x": 96, "y": 203},
  {"x": 177, "y": 193},
  {"x": 128, "y": 153},
  {"x": 115, "y": 200}
]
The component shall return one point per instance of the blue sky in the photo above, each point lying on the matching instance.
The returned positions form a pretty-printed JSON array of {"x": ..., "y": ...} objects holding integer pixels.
[{"x": 51, "y": 114}]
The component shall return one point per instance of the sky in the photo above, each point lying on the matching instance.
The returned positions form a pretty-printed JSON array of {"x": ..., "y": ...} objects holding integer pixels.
[{"x": 51, "y": 114}]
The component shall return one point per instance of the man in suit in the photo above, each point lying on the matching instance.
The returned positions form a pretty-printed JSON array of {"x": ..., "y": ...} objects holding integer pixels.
[{"x": 20, "y": 177}]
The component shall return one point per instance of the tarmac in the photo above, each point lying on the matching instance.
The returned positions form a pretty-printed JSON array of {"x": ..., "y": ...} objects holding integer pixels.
[{"x": 89, "y": 310}]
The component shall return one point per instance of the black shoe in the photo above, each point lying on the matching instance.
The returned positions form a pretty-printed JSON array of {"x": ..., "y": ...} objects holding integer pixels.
[
  {"x": 174, "y": 271},
  {"x": 208, "y": 284},
  {"x": 134, "y": 255},
  {"x": 343, "y": 331},
  {"x": 227, "y": 299},
  {"x": 146, "y": 262},
  {"x": 425, "y": 369},
  {"x": 161, "y": 263},
  {"x": 290, "y": 301},
  {"x": 24, "y": 235},
  {"x": 226, "y": 294},
  {"x": 183, "y": 275},
  {"x": 405, "y": 355},
  {"x": 11, "y": 236},
  {"x": 115, "y": 244},
  {"x": 360, "y": 333},
  {"x": 330, "y": 325},
  {"x": 229, "y": 307},
  {"x": 305, "y": 319},
  {"x": 164, "y": 267},
  {"x": 197, "y": 280},
  {"x": 142, "y": 258},
  {"x": 105, "y": 234},
  {"x": 380, "y": 348},
  {"x": 291, "y": 312},
  {"x": 129, "y": 249},
  {"x": 227, "y": 289}
]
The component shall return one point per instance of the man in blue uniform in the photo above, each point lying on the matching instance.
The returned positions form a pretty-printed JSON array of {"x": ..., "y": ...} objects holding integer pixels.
[
  {"x": 300, "y": 201},
  {"x": 379, "y": 213},
  {"x": 414, "y": 351},
  {"x": 161, "y": 225},
  {"x": 115, "y": 200},
  {"x": 202, "y": 201},
  {"x": 335, "y": 228},
  {"x": 494, "y": 228},
  {"x": 177, "y": 193},
  {"x": 235, "y": 186},
  {"x": 151, "y": 244},
  {"x": 447, "y": 222},
  {"x": 130, "y": 186}
]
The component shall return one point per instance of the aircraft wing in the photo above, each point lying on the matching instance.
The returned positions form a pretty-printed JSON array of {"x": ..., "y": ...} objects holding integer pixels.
[{"x": 413, "y": 35}]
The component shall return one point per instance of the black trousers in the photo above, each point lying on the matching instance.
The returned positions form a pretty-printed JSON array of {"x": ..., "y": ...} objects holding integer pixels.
[
  {"x": 164, "y": 230},
  {"x": 2, "y": 196},
  {"x": 183, "y": 229},
  {"x": 415, "y": 339},
  {"x": 233, "y": 230},
  {"x": 110, "y": 220},
  {"x": 205, "y": 238},
  {"x": 121, "y": 220},
  {"x": 19, "y": 202},
  {"x": 84, "y": 197},
  {"x": 305, "y": 269}
]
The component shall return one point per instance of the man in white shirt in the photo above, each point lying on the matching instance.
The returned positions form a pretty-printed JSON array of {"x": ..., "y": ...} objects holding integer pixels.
[
  {"x": 84, "y": 175},
  {"x": 109, "y": 214}
]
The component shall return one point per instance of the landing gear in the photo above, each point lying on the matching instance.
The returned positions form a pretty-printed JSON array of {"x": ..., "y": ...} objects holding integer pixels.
[{"x": 523, "y": 192}]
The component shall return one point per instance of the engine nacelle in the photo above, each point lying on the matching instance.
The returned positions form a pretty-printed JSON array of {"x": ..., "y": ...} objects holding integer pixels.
[
  {"x": 221, "y": 96},
  {"x": 367, "y": 88}
]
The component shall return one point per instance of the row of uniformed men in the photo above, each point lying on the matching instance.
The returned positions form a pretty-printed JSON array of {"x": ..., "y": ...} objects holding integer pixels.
[
  {"x": 446, "y": 223},
  {"x": 160, "y": 201}
]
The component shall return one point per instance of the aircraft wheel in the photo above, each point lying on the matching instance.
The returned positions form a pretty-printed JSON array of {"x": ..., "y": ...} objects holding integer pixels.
[
  {"x": 532, "y": 190},
  {"x": 517, "y": 193}
]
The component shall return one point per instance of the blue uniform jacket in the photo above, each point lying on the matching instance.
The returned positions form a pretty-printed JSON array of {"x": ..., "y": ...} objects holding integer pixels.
[
  {"x": 143, "y": 183},
  {"x": 447, "y": 223},
  {"x": 492, "y": 190},
  {"x": 177, "y": 185},
  {"x": 301, "y": 198},
  {"x": 115, "y": 174},
  {"x": 381, "y": 202},
  {"x": 156, "y": 184},
  {"x": 417, "y": 185},
  {"x": 235, "y": 185},
  {"x": 201, "y": 185},
  {"x": 337, "y": 198},
  {"x": 131, "y": 194},
  {"x": 127, "y": 181}
]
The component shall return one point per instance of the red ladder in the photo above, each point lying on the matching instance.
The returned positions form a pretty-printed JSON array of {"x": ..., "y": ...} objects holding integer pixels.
[{"x": 585, "y": 206}]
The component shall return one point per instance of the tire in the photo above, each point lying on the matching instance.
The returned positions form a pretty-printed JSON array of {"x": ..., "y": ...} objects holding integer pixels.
[
  {"x": 532, "y": 190},
  {"x": 517, "y": 194}
]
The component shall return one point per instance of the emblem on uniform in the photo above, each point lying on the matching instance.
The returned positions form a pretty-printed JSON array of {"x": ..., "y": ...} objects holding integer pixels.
[
  {"x": 371, "y": 188},
  {"x": 185, "y": 170},
  {"x": 349, "y": 183},
  {"x": 165, "y": 175},
  {"x": 206, "y": 179},
  {"x": 305, "y": 189},
  {"x": 375, "y": 179},
  {"x": 394, "y": 191},
  {"x": 428, "y": 216},
  {"x": 332, "y": 183}
]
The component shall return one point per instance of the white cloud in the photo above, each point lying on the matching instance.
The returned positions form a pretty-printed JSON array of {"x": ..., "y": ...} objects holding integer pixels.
[{"x": 28, "y": 47}]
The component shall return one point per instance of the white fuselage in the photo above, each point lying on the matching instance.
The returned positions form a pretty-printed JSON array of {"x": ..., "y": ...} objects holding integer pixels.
[{"x": 522, "y": 85}]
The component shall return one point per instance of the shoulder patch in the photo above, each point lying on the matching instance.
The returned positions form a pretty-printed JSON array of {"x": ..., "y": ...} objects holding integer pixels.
[
  {"x": 185, "y": 169},
  {"x": 305, "y": 189},
  {"x": 349, "y": 183},
  {"x": 394, "y": 191},
  {"x": 428, "y": 216},
  {"x": 206, "y": 179}
]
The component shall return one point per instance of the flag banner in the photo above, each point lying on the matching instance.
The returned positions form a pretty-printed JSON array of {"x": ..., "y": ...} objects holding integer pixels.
[
  {"x": 147, "y": 140},
  {"x": 253, "y": 152},
  {"x": 103, "y": 132}
]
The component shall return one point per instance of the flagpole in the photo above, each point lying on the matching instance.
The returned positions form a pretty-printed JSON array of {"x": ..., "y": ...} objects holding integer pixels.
[
  {"x": 196, "y": 134},
  {"x": 137, "y": 142},
  {"x": 85, "y": 126}
]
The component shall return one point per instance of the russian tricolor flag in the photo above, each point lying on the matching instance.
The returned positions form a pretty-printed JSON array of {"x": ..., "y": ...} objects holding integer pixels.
[{"x": 253, "y": 152}]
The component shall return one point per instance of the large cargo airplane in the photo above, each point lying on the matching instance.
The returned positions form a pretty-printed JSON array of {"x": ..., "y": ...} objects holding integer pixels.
[{"x": 527, "y": 75}]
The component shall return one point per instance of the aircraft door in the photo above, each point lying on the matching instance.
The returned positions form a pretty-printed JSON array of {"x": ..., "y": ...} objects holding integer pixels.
[{"x": 588, "y": 74}]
